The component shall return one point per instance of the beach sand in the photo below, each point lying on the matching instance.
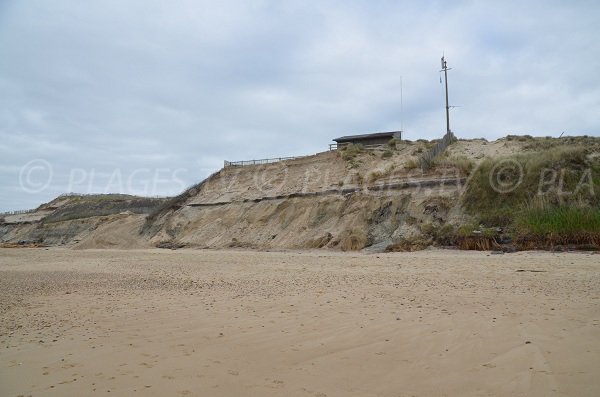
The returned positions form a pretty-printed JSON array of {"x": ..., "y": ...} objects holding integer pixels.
[{"x": 314, "y": 323}]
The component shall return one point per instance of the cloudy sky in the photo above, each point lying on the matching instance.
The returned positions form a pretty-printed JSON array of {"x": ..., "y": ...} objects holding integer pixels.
[{"x": 149, "y": 97}]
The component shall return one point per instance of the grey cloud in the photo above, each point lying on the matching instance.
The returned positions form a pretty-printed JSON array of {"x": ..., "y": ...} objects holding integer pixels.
[{"x": 129, "y": 86}]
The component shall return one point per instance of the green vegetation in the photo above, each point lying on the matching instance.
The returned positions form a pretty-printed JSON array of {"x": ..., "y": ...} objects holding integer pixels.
[
  {"x": 444, "y": 235},
  {"x": 394, "y": 142},
  {"x": 561, "y": 175},
  {"x": 468, "y": 229},
  {"x": 538, "y": 144},
  {"x": 350, "y": 154},
  {"x": 350, "y": 151},
  {"x": 559, "y": 220},
  {"x": 74, "y": 197},
  {"x": 543, "y": 198},
  {"x": 520, "y": 138},
  {"x": 558, "y": 226}
]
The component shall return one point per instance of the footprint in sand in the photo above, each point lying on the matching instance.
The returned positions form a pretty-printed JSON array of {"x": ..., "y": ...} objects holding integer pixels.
[
  {"x": 314, "y": 393},
  {"x": 274, "y": 383}
]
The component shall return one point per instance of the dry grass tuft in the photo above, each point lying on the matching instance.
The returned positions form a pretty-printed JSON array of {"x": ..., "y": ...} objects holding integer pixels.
[
  {"x": 463, "y": 164},
  {"x": 353, "y": 240},
  {"x": 409, "y": 245},
  {"x": 318, "y": 242},
  {"x": 412, "y": 164}
]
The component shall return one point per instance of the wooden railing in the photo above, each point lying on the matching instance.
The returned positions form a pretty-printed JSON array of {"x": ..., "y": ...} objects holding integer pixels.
[
  {"x": 18, "y": 212},
  {"x": 332, "y": 146},
  {"x": 245, "y": 163}
]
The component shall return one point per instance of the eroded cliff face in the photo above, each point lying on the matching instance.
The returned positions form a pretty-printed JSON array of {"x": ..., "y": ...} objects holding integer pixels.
[
  {"x": 93, "y": 221},
  {"x": 351, "y": 199},
  {"x": 351, "y": 221},
  {"x": 113, "y": 231},
  {"x": 369, "y": 198}
]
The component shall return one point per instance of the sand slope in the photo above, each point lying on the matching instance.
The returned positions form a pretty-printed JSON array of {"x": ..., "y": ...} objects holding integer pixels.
[{"x": 120, "y": 231}]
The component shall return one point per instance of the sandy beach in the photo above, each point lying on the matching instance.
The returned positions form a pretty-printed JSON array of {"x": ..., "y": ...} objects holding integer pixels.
[{"x": 298, "y": 323}]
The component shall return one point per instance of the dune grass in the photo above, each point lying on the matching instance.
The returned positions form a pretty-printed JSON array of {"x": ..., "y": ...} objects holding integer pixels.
[
  {"x": 463, "y": 164},
  {"x": 499, "y": 188},
  {"x": 412, "y": 164},
  {"x": 559, "y": 220},
  {"x": 350, "y": 151}
]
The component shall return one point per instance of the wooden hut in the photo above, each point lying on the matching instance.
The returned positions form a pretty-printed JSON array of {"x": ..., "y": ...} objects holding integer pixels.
[{"x": 378, "y": 138}]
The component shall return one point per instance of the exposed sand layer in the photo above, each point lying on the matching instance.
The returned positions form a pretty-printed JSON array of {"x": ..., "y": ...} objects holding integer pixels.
[
  {"x": 348, "y": 199},
  {"x": 246, "y": 323}
]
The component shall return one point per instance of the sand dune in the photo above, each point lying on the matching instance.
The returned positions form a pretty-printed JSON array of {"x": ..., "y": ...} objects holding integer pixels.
[{"x": 225, "y": 323}]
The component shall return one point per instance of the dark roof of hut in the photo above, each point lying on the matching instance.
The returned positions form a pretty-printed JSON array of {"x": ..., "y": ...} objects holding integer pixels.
[{"x": 350, "y": 138}]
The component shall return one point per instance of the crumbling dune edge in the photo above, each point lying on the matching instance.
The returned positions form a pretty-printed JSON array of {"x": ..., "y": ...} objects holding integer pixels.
[
  {"x": 349, "y": 200},
  {"x": 375, "y": 188}
]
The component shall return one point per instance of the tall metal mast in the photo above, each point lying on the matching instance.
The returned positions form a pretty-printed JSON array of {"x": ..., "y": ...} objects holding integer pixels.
[{"x": 445, "y": 70}]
